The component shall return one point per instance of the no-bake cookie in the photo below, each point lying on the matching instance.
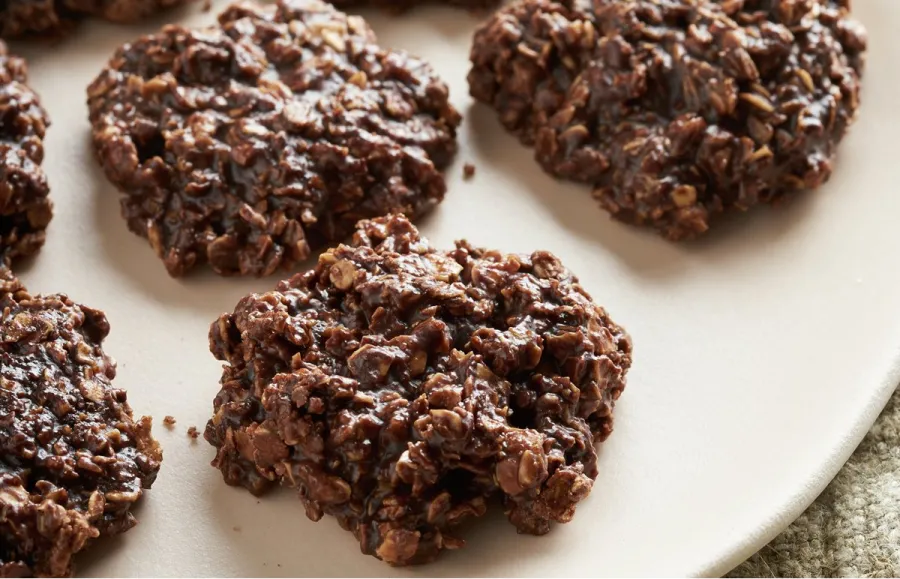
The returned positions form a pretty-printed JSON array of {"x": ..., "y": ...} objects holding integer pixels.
[
  {"x": 398, "y": 388},
  {"x": 245, "y": 144},
  {"x": 73, "y": 460},
  {"x": 675, "y": 110},
  {"x": 25, "y": 208},
  {"x": 56, "y": 17}
]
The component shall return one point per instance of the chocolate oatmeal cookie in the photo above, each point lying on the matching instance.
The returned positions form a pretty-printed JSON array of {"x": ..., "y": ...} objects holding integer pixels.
[
  {"x": 398, "y": 388},
  {"x": 248, "y": 143},
  {"x": 56, "y": 17},
  {"x": 73, "y": 461},
  {"x": 675, "y": 110},
  {"x": 25, "y": 209}
]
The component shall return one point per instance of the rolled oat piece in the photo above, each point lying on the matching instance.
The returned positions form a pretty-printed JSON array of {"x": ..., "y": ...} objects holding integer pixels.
[
  {"x": 676, "y": 111},
  {"x": 73, "y": 460},
  {"x": 25, "y": 208},
  {"x": 57, "y": 17},
  {"x": 246, "y": 144},
  {"x": 398, "y": 388}
]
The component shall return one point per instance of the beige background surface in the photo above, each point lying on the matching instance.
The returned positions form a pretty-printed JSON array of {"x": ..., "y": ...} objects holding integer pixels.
[{"x": 763, "y": 353}]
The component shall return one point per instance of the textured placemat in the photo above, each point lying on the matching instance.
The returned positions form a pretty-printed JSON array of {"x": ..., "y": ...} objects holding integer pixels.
[{"x": 853, "y": 528}]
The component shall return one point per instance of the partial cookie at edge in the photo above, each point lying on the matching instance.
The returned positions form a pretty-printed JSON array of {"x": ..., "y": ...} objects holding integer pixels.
[
  {"x": 676, "y": 111},
  {"x": 25, "y": 207},
  {"x": 73, "y": 461},
  {"x": 57, "y": 17}
]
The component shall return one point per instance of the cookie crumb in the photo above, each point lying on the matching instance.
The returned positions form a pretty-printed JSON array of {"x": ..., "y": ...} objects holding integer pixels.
[
  {"x": 169, "y": 422},
  {"x": 193, "y": 432},
  {"x": 236, "y": 529},
  {"x": 207, "y": 5},
  {"x": 468, "y": 171}
]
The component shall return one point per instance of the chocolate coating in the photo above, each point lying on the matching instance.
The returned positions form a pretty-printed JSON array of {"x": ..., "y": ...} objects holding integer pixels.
[
  {"x": 677, "y": 111},
  {"x": 245, "y": 144},
  {"x": 25, "y": 208},
  {"x": 57, "y": 17},
  {"x": 73, "y": 460},
  {"x": 398, "y": 388}
]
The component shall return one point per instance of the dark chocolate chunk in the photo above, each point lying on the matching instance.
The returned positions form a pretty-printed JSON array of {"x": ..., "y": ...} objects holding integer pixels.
[
  {"x": 676, "y": 110},
  {"x": 246, "y": 144},
  {"x": 25, "y": 208},
  {"x": 398, "y": 388},
  {"x": 73, "y": 460}
]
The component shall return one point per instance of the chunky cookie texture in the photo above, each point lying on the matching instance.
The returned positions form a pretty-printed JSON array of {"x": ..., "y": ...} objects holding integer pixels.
[
  {"x": 403, "y": 5},
  {"x": 677, "y": 111},
  {"x": 25, "y": 208},
  {"x": 57, "y": 17},
  {"x": 73, "y": 461},
  {"x": 398, "y": 388},
  {"x": 246, "y": 144}
]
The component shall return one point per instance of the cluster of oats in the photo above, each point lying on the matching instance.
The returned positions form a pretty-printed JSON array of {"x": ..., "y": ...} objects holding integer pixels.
[
  {"x": 398, "y": 388},
  {"x": 676, "y": 112}
]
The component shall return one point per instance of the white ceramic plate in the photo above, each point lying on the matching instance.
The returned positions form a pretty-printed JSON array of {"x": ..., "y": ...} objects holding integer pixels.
[{"x": 762, "y": 354}]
